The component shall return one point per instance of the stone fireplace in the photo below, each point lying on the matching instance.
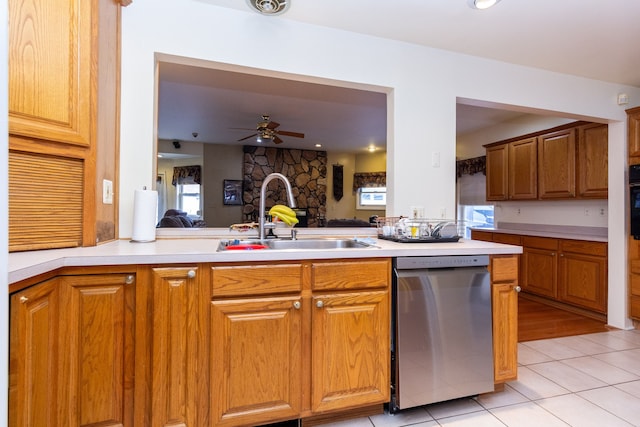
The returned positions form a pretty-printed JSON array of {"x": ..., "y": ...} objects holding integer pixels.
[{"x": 306, "y": 170}]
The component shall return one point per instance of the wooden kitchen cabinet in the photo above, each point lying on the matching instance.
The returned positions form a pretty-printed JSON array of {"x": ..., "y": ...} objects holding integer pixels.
[
  {"x": 497, "y": 171},
  {"x": 523, "y": 184},
  {"x": 63, "y": 101},
  {"x": 582, "y": 274},
  {"x": 593, "y": 161},
  {"x": 566, "y": 162},
  {"x": 319, "y": 343},
  {"x": 633, "y": 117},
  {"x": 485, "y": 236},
  {"x": 172, "y": 332},
  {"x": 504, "y": 298},
  {"x": 540, "y": 266},
  {"x": 72, "y": 352},
  {"x": 557, "y": 165}
]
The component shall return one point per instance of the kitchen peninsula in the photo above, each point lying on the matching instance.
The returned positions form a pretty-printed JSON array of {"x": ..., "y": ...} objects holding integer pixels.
[{"x": 174, "y": 331}]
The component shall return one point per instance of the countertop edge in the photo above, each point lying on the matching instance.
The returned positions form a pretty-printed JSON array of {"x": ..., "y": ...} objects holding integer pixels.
[{"x": 25, "y": 265}]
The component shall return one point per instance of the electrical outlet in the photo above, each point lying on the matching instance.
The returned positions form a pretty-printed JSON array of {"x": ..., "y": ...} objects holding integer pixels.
[
  {"x": 517, "y": 211},
  {"x": 603, "y": 212},
  {"x": 443, "y": 212},
  {"x": 587, "y": 212},
  {"x": 435, "y": 159},
  {"x": 107, "y": 192}
]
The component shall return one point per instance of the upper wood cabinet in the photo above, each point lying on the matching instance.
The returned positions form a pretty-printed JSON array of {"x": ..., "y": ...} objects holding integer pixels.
[
  {"x": 498, "y": 172},
  {"x": 522, "y": 170},
  {"x": 64, "y": 72},
  {"x": 566, "y": 162},
  {"x": 50, "y": 66},
  {"x": 593, "y": 161},
  {"x": 511, "y": 170},
  {"x": 633, "y": 117},
  {"x": 557, "y": 165}
]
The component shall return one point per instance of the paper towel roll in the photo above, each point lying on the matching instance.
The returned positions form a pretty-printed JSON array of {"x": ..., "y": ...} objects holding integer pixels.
[{"x": 145, "y": 207}]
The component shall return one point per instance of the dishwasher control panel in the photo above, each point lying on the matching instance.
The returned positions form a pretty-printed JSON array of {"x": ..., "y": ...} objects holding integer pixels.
[{"x": 455, "y": 261}]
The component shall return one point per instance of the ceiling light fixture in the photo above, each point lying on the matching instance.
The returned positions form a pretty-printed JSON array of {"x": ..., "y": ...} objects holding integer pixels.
[
  {"x": 270, "y": 7},
  {"x": 482, "y": 4}
]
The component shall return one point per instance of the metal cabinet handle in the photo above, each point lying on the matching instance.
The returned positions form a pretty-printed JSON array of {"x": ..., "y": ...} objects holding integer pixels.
[
  {"x": 191, "y": 274},
  {"x": 517, "y": 289},
  {"x": 553, "y": 254},
  {"x": 296, "y": 305},
  {"x": 129, "y": 279},
  {"x": 319, "y": 304},
  {"x": 24, "y": 299}
]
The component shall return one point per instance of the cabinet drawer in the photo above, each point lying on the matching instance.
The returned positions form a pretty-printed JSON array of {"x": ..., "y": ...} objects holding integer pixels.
[
  {"x": 508, "y": 239},
  {"x": 255, "y": 279},
  {"x": 504, "y": 269},
  {"x": 352, "y": 274},
  {"x": 540, "y": 243},
  {"x": 486, "y": 236},
  {"x": 584, "y": 247}
]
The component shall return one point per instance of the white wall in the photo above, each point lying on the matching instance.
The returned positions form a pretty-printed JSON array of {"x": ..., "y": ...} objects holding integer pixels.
[
  {"x": 423, "y": 85},
  {"x": 4, "y": 247}
]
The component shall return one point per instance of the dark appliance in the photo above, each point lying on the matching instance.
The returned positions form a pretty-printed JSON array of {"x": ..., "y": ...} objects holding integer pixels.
[{"x": 634, "y": 201}]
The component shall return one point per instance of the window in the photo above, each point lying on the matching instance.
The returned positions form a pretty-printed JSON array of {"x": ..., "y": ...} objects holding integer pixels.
[
  {"x": 372, "y": 198},
  {"x": 476, "y": 216},
  {"x": 189, "y": 199}
]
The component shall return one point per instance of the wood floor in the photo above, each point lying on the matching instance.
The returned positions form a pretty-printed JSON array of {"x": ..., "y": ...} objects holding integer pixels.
[{"x": 539, "y": 321}]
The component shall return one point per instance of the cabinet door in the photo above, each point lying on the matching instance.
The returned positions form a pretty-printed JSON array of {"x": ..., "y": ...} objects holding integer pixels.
[
  {"x": 523, "y": 178},
  {"x": 98, "y": 357},
  {"x": 497, "y": 172},
  {"x": 50, "y": 67},
  {"x": 256, "y": 355},
  {"x": 350, "y": 350},
  {"x": 593, "y": 161},
  {"x": 504, "y": 298},
  {"x": 557, "y": 165},
  {"x": 583, "y": 281},
  {"x": 633, "y": 116},
  {"x": 539, "y": 273},
  {"x": 33, "y": 356},
  {"x": 177, "y": 347}
]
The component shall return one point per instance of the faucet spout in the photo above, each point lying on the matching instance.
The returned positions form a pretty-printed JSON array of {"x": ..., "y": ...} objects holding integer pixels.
[{"x": 263, "y": 191}]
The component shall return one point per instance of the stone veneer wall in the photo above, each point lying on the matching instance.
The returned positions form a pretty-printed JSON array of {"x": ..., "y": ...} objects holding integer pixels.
[{"x": 305, "y": 169}]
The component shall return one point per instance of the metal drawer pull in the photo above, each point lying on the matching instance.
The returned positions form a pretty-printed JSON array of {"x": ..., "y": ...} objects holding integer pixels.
[
  {"x": 129, "y": 279},
  {"x": 296, "y": 305},
  {"x": 191, "y": 274},
  {"x": 517, "y": 289},
  {"x": 319, "y": 304},
  {"x": 24, "y": 299}
]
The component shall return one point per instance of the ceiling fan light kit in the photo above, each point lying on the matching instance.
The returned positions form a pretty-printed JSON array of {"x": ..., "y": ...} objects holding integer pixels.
[
  {"x": 482, "y": 4},
  {"x": 270, "y": 7}
]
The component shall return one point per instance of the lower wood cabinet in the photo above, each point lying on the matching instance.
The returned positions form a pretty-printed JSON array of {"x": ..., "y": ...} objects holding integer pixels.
[
  {"x": 321, "y": 346},
  {"x": 572, "y": 272},
  {"x": 72, "y": 352},
  {"x": 504, "y": 298}
]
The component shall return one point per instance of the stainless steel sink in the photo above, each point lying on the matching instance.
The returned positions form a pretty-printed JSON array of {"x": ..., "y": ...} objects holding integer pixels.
[{"x": 298, "y": 244}]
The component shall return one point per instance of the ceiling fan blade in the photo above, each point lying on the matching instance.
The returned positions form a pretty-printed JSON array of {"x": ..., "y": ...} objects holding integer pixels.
[
  {"x": 294, "y": 134},
  {"x": 277, "y": 140},
  {"x": 272, "y": 125},
  {"x": 247, "y": 137}
]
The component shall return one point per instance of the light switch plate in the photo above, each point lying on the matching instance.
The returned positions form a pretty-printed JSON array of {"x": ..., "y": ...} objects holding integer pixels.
[{"x": 107, "y": 192}]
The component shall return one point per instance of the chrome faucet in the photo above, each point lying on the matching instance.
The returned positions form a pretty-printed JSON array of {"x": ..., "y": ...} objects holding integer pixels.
[{"x": 263, "y": 190}]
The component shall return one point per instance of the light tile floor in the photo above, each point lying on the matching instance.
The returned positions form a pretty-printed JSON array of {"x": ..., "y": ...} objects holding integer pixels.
[{"x": 580, "y": 381}]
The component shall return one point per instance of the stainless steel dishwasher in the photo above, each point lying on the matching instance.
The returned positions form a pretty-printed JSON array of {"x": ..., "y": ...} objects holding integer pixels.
[{"x": 442, "y": 341}]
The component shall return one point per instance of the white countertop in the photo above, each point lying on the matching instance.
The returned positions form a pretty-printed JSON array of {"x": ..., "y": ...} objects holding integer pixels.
[
  {"x": 593, "y": 234},
  {"x": 198, "y": 249}
]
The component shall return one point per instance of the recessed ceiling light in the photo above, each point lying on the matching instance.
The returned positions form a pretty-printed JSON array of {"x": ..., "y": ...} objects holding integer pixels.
[
  {"x": 372, "y": 148},
  {"x": 269, "y": 7},
  {"x": 318, "y": 145},
  {"x": 482, "y": 4}
]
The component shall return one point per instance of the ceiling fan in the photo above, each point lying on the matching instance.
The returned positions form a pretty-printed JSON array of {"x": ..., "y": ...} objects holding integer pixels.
[{"x": 266, "y": 130}]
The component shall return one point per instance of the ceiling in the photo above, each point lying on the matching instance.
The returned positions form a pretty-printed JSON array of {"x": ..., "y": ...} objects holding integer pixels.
[{"x": 587, "y": 38}]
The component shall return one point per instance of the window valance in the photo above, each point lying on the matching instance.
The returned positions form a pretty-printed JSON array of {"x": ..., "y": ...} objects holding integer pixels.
[
  {"x": 187, "y": 175},
  {"x": 369, "y": 179},
  {"x": 471, "y": 166}
]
